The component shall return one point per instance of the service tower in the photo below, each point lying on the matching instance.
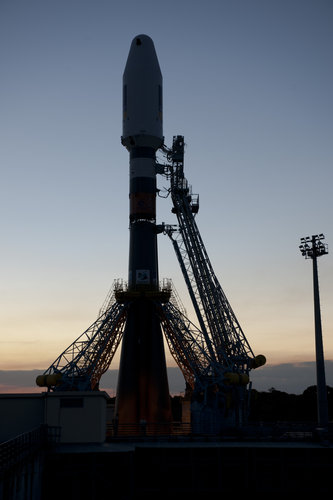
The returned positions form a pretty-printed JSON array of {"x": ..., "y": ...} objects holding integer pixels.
[{"x": 143, "y": 391}]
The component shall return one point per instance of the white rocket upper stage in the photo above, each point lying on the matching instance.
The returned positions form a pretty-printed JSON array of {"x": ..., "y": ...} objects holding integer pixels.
[{"x": 142, "y": 96}]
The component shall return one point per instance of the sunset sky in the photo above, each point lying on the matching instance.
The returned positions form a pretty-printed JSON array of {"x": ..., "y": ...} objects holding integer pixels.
[{"x": 249, "y": 85}]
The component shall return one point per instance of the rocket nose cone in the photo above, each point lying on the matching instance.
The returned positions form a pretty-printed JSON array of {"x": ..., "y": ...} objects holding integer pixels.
[
  {"x": 142, "y": 96},
  {"x": 142, "y": 54},
  {"x": 142, "y": 39}
]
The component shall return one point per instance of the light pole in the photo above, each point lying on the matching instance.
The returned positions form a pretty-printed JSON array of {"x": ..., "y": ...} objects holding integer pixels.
[{"x": 311, "y": 248}]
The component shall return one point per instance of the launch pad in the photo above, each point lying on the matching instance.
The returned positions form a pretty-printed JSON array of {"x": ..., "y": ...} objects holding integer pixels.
[{"x": 214, "y": 357}]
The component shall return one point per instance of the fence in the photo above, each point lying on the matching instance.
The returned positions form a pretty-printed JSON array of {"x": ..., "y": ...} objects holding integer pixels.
[
  {"x": 144, "y": 429},
  {"x": 22, "y": 447}
]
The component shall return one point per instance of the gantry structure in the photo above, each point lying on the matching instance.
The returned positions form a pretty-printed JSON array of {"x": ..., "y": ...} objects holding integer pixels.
[{"x": 214, "y": 357}]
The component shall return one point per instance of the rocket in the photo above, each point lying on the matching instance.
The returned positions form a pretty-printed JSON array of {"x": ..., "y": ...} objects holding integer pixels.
[
  {"x": 142, "y": 389},
  {"x": 142, "y": 136}
]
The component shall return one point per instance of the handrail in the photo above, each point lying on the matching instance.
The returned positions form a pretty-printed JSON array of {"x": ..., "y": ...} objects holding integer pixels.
[
  {"x": 148, "y": 429},
  {"x": 23, "y": 446}
]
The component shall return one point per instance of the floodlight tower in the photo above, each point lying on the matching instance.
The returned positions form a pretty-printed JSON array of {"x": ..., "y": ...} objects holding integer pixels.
[{"x": 311, "y": 248}]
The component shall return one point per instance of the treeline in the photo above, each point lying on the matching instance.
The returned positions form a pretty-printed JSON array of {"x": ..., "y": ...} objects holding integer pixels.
[{"x": 276, "y": 405}]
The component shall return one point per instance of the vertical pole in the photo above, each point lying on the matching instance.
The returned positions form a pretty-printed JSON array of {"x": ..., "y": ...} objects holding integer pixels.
[{"x": 322, "y": 407}]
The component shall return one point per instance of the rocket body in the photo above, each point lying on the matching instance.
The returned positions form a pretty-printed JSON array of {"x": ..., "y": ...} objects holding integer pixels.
[
  {"x": 142, "y": 136},
  {"x": 142, "y": 392}
]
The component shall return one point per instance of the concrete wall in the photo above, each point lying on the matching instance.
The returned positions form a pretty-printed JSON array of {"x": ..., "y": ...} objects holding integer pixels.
[
  {"x": 190, "y": 471},
  {"x": 80, "y": 415},
  {"x": 24, "y": 480},
  {"x": 20, "y": 413}
]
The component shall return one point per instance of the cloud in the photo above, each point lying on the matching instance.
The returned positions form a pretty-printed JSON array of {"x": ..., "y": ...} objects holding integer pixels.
[
  {"x": 292, "y": 378},
  {"x": 16, "y": 389},
  {"x": 20, "y": 378}
]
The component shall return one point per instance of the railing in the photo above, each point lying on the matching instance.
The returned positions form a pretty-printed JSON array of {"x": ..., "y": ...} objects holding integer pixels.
[
  {"x": 20, "y": 448},
  {"x": 287, "y": 431},
  {"x": 255, "y": 431},
  {"x": 148, "y": 430}
]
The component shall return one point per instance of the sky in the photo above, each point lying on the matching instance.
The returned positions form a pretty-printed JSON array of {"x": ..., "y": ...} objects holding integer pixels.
[{"x": 249, "y": 85}]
